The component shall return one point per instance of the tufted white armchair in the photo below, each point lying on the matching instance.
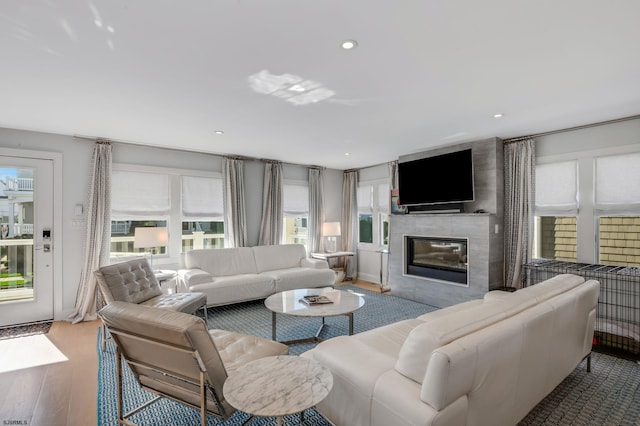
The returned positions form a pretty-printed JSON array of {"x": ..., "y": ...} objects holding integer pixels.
[{"x": 133, "y": 281}]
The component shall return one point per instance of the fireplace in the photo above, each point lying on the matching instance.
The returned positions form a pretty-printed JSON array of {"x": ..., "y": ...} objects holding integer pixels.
[{"x": 440, "y": 258}]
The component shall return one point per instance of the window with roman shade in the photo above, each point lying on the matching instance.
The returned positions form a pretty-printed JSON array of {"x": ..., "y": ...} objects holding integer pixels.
[
  {"x": 557, "y": 189},
  {"x": 365, "y": 214},
  {"x": 295, "y": 209},
  {"x": 202, "y": 199},
  {"x": 138, "y": 195},
  {"x": 556, "y": 210},
  {"x": 384, "y": 209},
  {"x": 617, "y": 180}
]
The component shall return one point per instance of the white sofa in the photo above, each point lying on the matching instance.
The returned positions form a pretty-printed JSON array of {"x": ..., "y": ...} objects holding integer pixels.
[
  {"x": 483, "y": 362},
  {"x": 240, "y": 274}
]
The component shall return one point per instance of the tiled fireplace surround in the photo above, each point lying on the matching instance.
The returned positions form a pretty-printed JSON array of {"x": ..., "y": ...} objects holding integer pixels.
[{"x": 483, "y": 231}]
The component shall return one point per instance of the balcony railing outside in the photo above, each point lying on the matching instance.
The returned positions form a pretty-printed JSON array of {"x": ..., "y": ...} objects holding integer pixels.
[
  {"x": 123, "y": 246},
  {"x": 16, "y": 264},
  {"x": 20, "y": 184}
]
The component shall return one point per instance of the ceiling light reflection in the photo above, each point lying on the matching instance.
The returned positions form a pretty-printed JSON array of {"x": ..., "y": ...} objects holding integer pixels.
[{"x": 292, "y": 88}]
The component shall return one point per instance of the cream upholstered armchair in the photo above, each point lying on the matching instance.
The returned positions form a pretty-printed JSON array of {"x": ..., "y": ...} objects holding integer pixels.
[
  {"x": 133, "y": 281},
  {"x": 173, "y": 355}
]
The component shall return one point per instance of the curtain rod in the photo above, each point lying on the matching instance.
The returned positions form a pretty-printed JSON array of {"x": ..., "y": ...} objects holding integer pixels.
[
  {"x": 238, "y": 157},
  {"x": 569, "y": 129}
]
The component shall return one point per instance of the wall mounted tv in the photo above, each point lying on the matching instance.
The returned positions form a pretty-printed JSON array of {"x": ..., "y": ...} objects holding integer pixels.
[{"x": 440, "y": 179}]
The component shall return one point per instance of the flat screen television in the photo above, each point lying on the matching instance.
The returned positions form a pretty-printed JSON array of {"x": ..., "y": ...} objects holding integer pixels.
[{"x": 440, "y": 179}]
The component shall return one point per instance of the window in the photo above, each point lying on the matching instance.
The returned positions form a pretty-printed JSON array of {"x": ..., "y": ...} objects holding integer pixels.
[
  {"x": 556, "y": 208},
  {"x": 137, "y": 199},
  {"x": 617, "y": 204},
  {"x": 295, "y": 206},
  {"x": 373, "y": 213},
  {"x": 190, "y": 207},
  {"x": 365, "y": 214},
  {"x": 384, "y": 200},
  {"x": 605, "y": 227},
  {"x": 202, "y": 213}
]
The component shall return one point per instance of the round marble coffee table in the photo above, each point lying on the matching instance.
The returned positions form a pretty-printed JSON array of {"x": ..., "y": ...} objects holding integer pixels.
[
  {"x": 278, "y": 386},
  {"x": 288, "y": 303}
]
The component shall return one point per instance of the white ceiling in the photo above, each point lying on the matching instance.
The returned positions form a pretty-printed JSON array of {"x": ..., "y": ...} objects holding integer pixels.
[{"x": 426, "y": 73}]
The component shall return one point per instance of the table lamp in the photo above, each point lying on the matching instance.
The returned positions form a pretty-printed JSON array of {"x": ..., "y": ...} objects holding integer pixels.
[
  {"x": 150, "y": 237},
  {"x": 331, "y": 230}
]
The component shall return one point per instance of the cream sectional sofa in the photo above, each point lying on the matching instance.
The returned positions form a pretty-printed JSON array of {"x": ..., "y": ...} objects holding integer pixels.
[
  {"x": 482, "y": 362},
  {"x": 241, "y": 274}
]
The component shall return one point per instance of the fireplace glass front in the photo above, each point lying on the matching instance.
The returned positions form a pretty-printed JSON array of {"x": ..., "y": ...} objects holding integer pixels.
[{"x": 443, "y": 259}]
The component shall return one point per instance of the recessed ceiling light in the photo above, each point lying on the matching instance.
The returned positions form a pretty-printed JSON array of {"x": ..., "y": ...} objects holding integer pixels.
[
  {"x": 498, "y": 115},
  {"x": 347, "y": 153},
  {"x": 349, "y": 44},
  {"x": 219, "y": 132}
]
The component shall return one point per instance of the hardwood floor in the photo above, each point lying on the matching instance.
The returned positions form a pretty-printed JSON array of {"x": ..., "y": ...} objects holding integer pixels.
[
  {"x": 59, "y": 393},
  {"x": 63, "y": 392}
]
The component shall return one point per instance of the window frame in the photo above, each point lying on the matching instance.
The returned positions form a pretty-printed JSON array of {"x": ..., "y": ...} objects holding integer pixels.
[
  {"x": 285, "y": 215},
  {"x": 587, "y": 218},
  {"x": 174, "y": 218},
  {"x": 377, "y": 216}
]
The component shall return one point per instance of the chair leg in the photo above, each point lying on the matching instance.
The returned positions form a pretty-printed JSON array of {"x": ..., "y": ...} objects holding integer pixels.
[
  {"x": 103, "y": 344},
  {"x": 206, "y": 315}
]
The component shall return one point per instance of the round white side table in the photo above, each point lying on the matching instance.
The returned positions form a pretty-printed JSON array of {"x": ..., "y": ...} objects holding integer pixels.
[{"x": 277, "y": 386}]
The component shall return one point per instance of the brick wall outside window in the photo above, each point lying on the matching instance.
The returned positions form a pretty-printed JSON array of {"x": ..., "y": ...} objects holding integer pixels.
[
  {"x": 620, "y": 241},
  {"x": 558, "y": 238}
]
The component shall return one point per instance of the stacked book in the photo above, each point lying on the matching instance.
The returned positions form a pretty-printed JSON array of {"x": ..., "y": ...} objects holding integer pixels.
[{"x": 315, "y": 299}]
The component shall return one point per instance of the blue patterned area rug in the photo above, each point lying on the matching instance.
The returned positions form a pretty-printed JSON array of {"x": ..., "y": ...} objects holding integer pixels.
[
  {"x": 250, "y": 318},
  {"x": 609, "y": 395}
]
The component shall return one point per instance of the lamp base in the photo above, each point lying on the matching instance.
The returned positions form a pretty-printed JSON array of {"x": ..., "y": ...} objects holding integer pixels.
[{"x": 331, "y": 246}]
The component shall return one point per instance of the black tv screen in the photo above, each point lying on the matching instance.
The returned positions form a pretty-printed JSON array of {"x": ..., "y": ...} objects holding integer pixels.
[{"x": 441, "y": 179}]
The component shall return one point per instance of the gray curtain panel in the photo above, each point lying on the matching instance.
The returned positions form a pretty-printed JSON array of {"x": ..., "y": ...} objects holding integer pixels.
[
  {"x": 98, "y": 234},
  {"x": 235, "y": 215},
  {"x": 316, "y": 210},
  {"x": 519, "y": 191},
  {"x": 271, "y": 226},
  {"x": 350, "y": 221}
]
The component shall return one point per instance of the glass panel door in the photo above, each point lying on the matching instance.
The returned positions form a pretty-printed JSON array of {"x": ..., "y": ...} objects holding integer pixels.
[{"x": 26, "y": 218}]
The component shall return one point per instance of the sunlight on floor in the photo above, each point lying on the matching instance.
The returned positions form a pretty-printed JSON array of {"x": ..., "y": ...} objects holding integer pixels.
[{"x": 29, "y": 351}]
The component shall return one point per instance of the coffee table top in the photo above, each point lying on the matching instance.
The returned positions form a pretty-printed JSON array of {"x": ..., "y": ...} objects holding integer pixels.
[
  {"x": 288, "y": 302},
  {"x": 278, "y": 385}
]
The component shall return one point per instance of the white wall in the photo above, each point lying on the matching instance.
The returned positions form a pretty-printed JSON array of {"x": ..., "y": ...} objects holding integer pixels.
[{"x": 77, "y": 153}]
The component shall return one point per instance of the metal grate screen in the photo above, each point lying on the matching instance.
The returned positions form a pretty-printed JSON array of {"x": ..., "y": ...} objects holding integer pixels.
[{"x": 618, "y": 314}]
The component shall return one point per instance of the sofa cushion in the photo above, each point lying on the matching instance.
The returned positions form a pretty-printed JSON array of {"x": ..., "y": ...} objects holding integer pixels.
[
  {"x": 236, "y": 288},
  {"x": 355, "y": 369},
  {"x": 194, "y": 276},
  {"x": 388, "y": 339},
  {"x": 181, "y": 302},
  {"x": 269, "y": 258},
  {"x": 222, "y": 262},
  {"x": 294, "y": 278},
  {"x": 416, "y": 350},
  {"x": 237, "y": 349}
]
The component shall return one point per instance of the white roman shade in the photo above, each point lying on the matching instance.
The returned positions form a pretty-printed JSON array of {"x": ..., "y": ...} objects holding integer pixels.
[
  {"x": 365, "y": 199},
  {"x": 618, "y": 183},
  {"x": 295, "y": 202},
  {"x": 137, "y": 195},
  {"x": 556, "y": 189},
  {"x": 202, "y": 199}
]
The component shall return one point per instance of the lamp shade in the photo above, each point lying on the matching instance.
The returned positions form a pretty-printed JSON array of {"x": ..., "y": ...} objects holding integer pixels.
[
  {"x": 150, "y": 237},
  {"x": 331, "y": 229}
]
